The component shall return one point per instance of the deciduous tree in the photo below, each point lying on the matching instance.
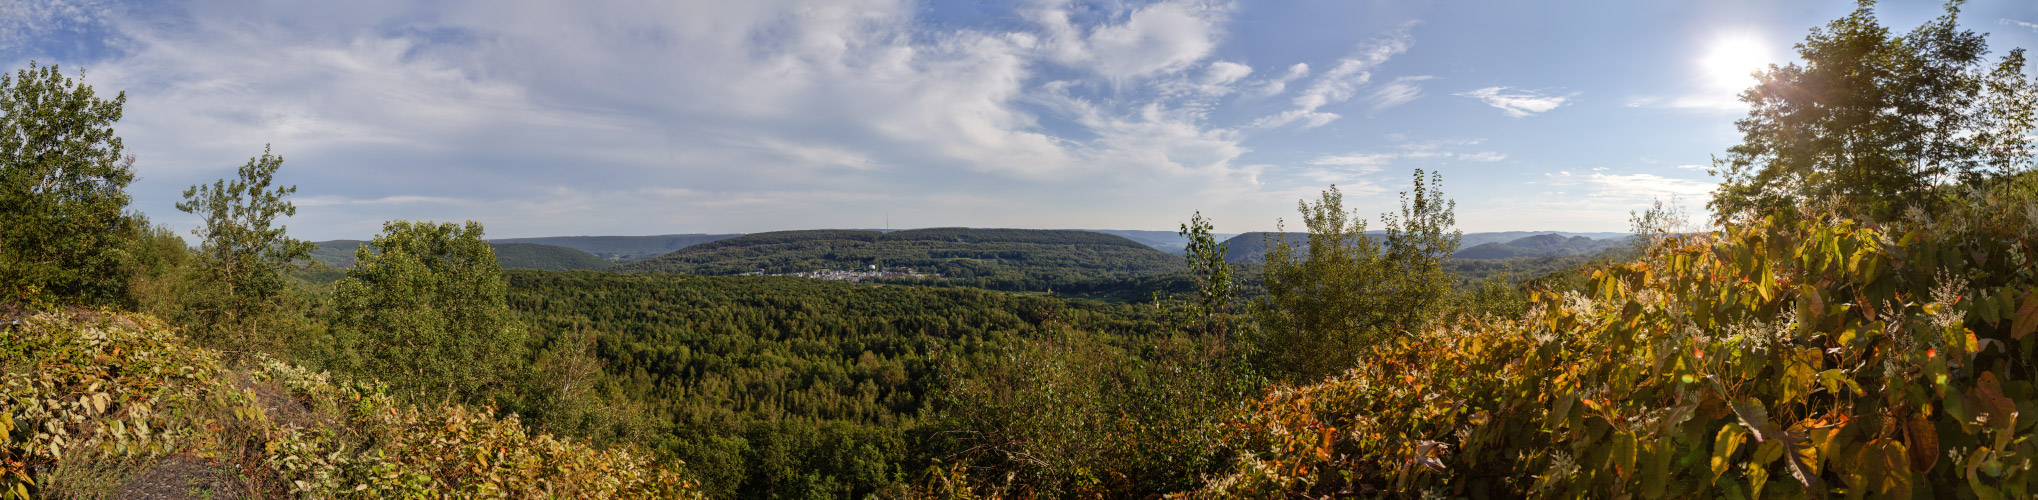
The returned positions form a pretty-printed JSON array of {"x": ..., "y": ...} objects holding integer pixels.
[
  {"x": 63, "y": 184},
  {"x": 244, "y": 252},
  {"x": 1870, "y": 122},
  {"x": 424, "y": 309},
  {"x": 1348, "y": 289}
]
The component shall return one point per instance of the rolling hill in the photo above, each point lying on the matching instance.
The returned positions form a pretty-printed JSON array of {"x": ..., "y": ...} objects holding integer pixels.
[
  {"x": 1008, "y": 259},
  {"x": 623, "y": 248},
  {"x": 1542, "y": 245},
  {"x": 1167, "y": 241},
  {"x": 340, "y": 254}
]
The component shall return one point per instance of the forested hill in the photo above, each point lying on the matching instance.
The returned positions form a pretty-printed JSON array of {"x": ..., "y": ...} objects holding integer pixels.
[
  {"x": 783, "y": 388},
  {"x": 1542, "y": 245},
  {"x": 1009, "y": 259},
  {"x": 544, "y": 257},
  {"x": 340, "y": 254},
  {"x": 623, "y": 248},
  {"x": 1166, "y": 241}
]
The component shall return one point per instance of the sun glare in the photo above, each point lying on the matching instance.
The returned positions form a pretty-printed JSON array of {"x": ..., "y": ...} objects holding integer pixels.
[{"x": 1732, "y": 59}]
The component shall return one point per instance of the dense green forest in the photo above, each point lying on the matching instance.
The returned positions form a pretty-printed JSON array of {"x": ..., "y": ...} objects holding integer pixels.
[{"x": 782, "y": 387}]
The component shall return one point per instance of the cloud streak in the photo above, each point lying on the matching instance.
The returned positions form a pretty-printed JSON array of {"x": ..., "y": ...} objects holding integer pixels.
[{"x": 1516, "y": 102}]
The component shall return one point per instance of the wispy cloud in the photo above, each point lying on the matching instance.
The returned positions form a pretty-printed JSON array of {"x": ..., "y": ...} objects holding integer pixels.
[
  {"x": 1277, "y": 85},
  {"x": 1398, "y": 92},
  {"x": 1518, "y": 103},
  {"x": 26, "y": 21},
  {"x": 1340, "y": 82},
  {"x": 1355, "y": 159},
  {"x": 2024, "y": 24}
]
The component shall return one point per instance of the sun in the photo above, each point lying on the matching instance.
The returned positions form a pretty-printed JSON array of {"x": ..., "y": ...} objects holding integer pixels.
[{"x": 1732, "y": 58}]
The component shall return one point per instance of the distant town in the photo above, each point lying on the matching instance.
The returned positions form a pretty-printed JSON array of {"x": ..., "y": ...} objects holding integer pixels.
[{"x": 854, "y": 275}]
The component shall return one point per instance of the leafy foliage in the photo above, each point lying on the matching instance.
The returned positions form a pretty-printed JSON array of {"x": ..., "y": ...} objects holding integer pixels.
[
  {"x": 62, "y": 190},
  {"x": 92, "y": 387},
  {"x": 1350, "y": 289},
  {"x": 424, "y": 310},
  {"x": 1771, "y": 358},
  {"x": 1871, "y": 122},
  {"x": 243, "y": 251}
]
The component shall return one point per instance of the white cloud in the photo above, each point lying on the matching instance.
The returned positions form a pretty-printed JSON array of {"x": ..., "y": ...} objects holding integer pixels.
[
  {"x": 1515, "y": 102},
  {"x": 1694, "y": 166},
  {"x": 1401, "y": 91},
  {"x": 25, "y": 21},
  {"x": 1225, "y": 72},
  {"x": 2024, "y": 24},
  {"x": 1341, "y": 81},
  {"x": 1276, "y": 86},
  {"x": 1158, "y": 38},
  {"x": 1483, "y": 156}
]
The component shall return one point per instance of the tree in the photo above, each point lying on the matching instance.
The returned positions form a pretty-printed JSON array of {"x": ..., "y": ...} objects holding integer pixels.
[
  {"x": 243, "y": 251},
  {"x": 1871, "y": 122},
  {"x": 424, "y": 309},
  {"x": 1322, "y": 308},
  {"x": 62, "y": 190},
  {"x": 1215, "y": 284}
]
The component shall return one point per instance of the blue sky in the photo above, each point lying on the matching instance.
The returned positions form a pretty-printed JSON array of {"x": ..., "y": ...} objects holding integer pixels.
[{"x": 652, "y": 117}]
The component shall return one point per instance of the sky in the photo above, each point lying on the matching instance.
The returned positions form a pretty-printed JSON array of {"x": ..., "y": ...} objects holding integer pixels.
[{"x": 660, "y": 117}]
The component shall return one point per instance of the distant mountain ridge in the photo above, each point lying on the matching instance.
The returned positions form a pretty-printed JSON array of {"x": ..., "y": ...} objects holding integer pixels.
[
  {"x": 340, "y": 254},
  {"x": 624, "y": 248},
  {"x": 1167, "y": 241},
  {"x": 1252, "y": 247},
  {"x": 1021, "y": 259}
]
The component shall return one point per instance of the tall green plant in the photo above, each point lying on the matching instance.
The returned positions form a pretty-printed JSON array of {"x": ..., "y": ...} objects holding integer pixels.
[
  {"x": 424, "y": 309},
  {"x": 62, "y": 190},
  {"x": 1349, "y": 289},
  {"x": 244, "y": 250},
  {"x": 1216, "y": 286}
]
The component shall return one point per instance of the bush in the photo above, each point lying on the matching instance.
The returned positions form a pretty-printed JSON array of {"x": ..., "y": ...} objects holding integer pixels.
[
  {"x": 1770, "y": 358},
  {"x": 100, "y": 388}
]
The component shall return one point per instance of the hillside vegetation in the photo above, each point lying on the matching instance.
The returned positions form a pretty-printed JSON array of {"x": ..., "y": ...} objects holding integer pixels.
[
  {"x": 781, "y": 387},
  {"x": 105, "y": 405},
  {"x": 1006, "y": 259},
  {"x": 1771, "y": 359}
]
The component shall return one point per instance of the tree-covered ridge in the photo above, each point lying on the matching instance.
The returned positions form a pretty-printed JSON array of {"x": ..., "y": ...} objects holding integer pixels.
[
  {"x": 544, "y": 257},
  {"x": 622, "y": 248},
  {"x": 340, "y": 254},
  {"x": 1010, "y": 259},
  {"x": 780, "y": 387}
]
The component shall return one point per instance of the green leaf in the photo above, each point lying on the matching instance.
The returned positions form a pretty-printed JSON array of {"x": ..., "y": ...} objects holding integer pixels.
[{"x": 1724, "y": 445}]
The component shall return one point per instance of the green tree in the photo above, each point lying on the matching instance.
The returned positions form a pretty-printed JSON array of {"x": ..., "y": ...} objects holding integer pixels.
[
  {"x": 62, "y": 190},
  {"x": 424, "y": 309},
  {"x": 1871, "y": 121},
  {"x": 244, "y": 252},
  {"x": 1215, "y": 284},
  {"x": 1349, "y": 288}
]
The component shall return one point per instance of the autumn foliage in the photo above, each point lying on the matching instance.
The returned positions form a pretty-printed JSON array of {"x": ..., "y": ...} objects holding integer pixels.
[{"x": 1824, "y": 357}]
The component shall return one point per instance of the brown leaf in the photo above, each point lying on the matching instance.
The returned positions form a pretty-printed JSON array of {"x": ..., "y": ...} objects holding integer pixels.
[{"x": 1923, "y": 442}]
